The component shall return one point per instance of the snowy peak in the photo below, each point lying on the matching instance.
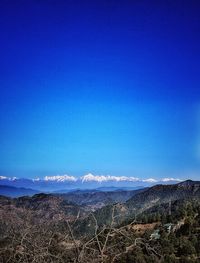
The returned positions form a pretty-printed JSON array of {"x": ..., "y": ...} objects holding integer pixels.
[
  {"x": 60, "y": 178},
  {"x": 88, "y": 181},
  {"x": 106, "y": 178}
]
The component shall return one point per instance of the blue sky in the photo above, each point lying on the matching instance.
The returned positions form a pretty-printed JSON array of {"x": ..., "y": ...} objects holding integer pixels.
[{"x": 108, "y": 87}]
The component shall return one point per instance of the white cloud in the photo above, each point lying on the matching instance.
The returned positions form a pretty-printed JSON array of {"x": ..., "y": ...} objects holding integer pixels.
[
  {"x": 105, "y": 178},
  {"x": 170, "y": 179},
  {"x": 60, "y": 178}
]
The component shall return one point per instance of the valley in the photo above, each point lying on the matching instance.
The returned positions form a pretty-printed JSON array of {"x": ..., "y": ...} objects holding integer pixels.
[{"x": 155, "y": 224}]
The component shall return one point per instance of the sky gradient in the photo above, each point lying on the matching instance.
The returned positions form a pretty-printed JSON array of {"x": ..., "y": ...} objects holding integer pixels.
[{"x": 107, "y": 87}]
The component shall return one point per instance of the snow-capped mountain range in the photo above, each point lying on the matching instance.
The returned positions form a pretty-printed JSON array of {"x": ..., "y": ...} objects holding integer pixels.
[{"x": 88, "y": 181}]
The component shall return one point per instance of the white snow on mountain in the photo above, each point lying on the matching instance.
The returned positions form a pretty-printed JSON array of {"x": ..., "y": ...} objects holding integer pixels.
[
  {"x": 8, "y": 178},
  {"x": 106, "y": 178},
  {"x": 3, "y": 177},
  {"x": 150, "y": 180},
  {"x": 36, "y": 179},
  {"x": 171, "y": 179},
  {"x": 94, "y": 178},
  {"x": 60, "y": 178}
]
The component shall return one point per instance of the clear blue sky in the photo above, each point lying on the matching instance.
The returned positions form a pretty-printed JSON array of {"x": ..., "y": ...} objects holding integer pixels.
[{"x": 109, "y": 87}]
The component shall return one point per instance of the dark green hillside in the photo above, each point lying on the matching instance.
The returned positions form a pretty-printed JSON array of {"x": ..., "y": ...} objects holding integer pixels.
[
  {"x": 142, "y": 201},
  {"x": 164, "y": 193}
]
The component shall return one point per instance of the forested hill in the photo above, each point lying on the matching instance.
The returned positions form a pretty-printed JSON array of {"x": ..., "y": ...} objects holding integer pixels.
[
  {"x": 164, "y": 193},
  {"x": 140, "y": 202},
  {"x": 157, "y": 225}
]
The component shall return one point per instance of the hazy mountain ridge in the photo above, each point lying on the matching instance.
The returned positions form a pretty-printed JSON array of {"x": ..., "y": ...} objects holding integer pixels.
[
  {"x": 90, "y": 199},
  {"x": 12, "y": 191},
  {"x": 99, "y": 197}
]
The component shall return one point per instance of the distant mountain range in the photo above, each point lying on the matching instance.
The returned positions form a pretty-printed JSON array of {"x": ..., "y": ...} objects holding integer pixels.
[
  {"x": 67, "y": 183},
  {"x": 12, "y": 191},
  {"x": 128, "y": 201},
  {"x": 128, "y": 204},
  {"x": 94, "y": 198}
]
